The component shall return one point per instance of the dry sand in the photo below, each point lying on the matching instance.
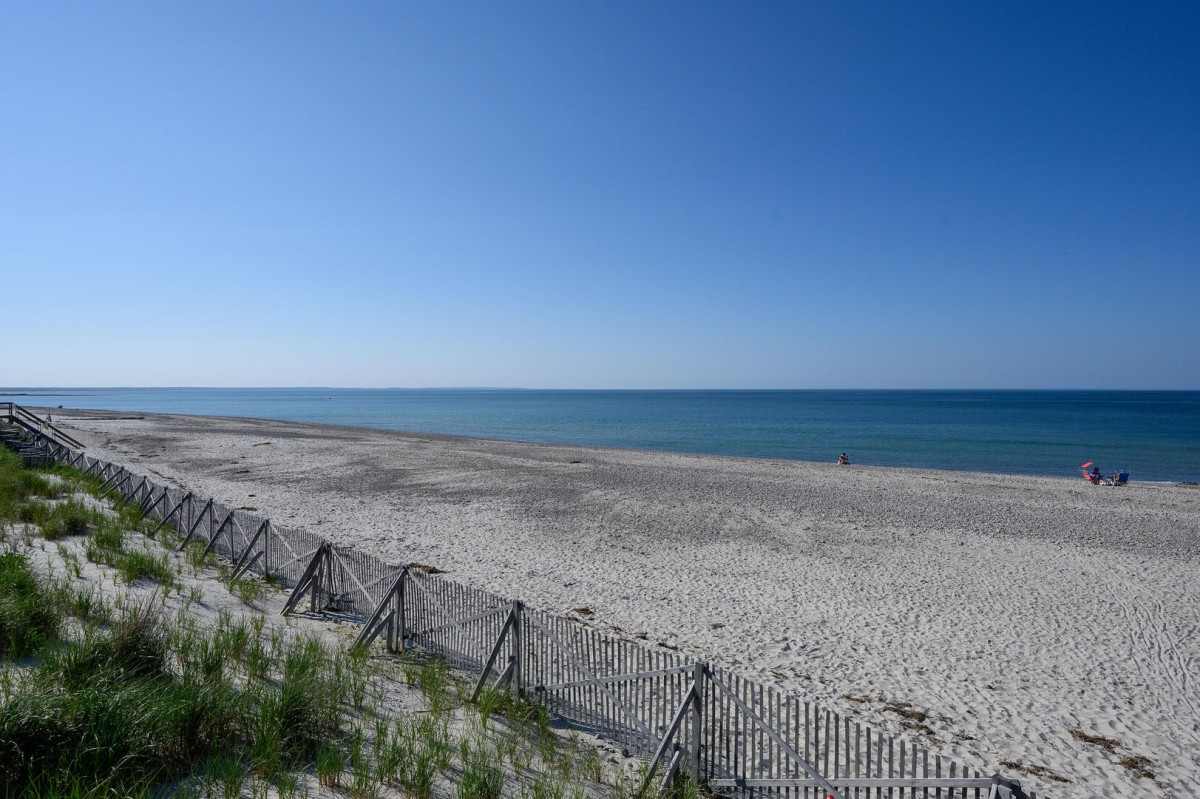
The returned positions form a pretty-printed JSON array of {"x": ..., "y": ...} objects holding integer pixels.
[{"x": 1011, "y": 610}]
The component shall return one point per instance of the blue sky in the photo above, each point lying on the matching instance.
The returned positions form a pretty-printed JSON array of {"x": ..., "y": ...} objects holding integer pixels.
[{"x": 594, "y": 194}]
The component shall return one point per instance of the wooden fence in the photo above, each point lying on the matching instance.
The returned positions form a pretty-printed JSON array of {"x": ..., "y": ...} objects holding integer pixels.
[{"x": 736, "y": 737}]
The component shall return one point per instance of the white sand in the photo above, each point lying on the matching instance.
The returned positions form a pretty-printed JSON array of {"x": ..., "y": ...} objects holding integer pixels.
[{"x": 1010, "y": 609}]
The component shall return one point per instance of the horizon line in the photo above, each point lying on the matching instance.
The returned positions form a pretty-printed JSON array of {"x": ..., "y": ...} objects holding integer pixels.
[{"x": 15, "y": 390}]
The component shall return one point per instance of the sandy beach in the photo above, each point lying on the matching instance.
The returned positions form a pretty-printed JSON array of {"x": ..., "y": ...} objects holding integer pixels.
[{"x": 1020, "y": 615}]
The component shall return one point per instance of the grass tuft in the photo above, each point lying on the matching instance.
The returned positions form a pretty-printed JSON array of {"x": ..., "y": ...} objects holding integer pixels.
[
  {"x": 482, "y": 776},
  {"x": 71, "y": 517},
  {"x": 247, "y": 589},
  {"x": 106, "y": 546},
  {"x": 28, "y": 618}
]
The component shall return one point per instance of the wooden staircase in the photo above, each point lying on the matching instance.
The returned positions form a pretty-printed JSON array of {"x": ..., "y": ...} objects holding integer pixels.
[{"x": 30, "y": 436}]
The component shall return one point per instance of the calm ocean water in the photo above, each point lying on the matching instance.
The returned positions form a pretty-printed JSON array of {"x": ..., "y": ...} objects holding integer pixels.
[{"x": 1156, "y": 435}]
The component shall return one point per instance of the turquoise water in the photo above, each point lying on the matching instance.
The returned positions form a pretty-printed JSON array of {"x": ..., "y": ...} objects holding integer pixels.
[{"x": 1156, "y": 435}]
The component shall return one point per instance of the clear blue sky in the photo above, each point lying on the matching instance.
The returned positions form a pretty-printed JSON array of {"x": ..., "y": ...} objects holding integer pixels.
[{"x": 600, "y": 194}]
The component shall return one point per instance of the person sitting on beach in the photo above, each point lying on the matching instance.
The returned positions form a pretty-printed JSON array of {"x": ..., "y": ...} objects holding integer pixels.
[
  {"x": 843, "y": 460},
  {"x": 1095, "y": 476}
]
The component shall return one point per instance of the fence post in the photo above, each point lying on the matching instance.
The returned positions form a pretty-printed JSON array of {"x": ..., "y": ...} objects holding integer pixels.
[
  {"x": 400, "y": 628},
  {"x": 383, "y": 617},
  {"x": 316, "y": 583},
  {"x": 518, "y": 608},
  {"x": 390, "y": 639},
  {"x": 1005, "y": 788},
  {"x": 697, "y": 720}
]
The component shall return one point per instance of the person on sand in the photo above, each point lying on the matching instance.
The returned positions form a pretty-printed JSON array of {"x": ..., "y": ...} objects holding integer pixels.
[
  {"x": 1095, "y": 478},
  {"x": 843, "y": 460}
]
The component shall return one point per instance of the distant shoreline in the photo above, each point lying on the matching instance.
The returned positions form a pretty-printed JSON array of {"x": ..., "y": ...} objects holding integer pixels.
[{"x": 101, "y": 413}]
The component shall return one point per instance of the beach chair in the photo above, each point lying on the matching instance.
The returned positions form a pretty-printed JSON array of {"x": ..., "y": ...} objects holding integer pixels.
[{"x": 1121, "y": 478}]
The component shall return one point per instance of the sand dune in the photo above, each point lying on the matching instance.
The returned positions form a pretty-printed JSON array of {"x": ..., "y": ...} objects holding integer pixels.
[{"x": 1019, "y": 614}]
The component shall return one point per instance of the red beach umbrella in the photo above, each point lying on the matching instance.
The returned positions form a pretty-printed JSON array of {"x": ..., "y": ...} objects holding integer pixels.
[{"x": 1084, "y": 466}]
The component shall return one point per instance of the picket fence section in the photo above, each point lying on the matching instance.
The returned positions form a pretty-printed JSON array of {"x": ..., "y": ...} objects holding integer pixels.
[{"x": 736, "y": 737}]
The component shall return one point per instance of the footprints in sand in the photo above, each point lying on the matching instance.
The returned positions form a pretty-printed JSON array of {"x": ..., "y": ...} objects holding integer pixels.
[{"x": 1155, "y": 646}]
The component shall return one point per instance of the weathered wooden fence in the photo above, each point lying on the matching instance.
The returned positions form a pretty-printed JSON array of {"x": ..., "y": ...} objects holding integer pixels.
[{"x": 684, "y": 717}]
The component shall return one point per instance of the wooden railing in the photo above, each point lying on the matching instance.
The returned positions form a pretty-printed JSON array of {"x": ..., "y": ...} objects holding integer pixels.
[{"x": 16, "y": 414}]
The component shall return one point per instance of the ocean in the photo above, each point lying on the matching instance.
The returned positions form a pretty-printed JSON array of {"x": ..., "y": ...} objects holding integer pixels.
[{"x": 1153, "y": 434}]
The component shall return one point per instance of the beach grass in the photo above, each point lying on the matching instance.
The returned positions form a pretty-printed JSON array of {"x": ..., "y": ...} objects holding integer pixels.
[
  {"x": 104, "y": 696},
  {"x": 28, "y": 617},
  {"x": 146, "y": 700},
  {"x": 134, "y": 699}
]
